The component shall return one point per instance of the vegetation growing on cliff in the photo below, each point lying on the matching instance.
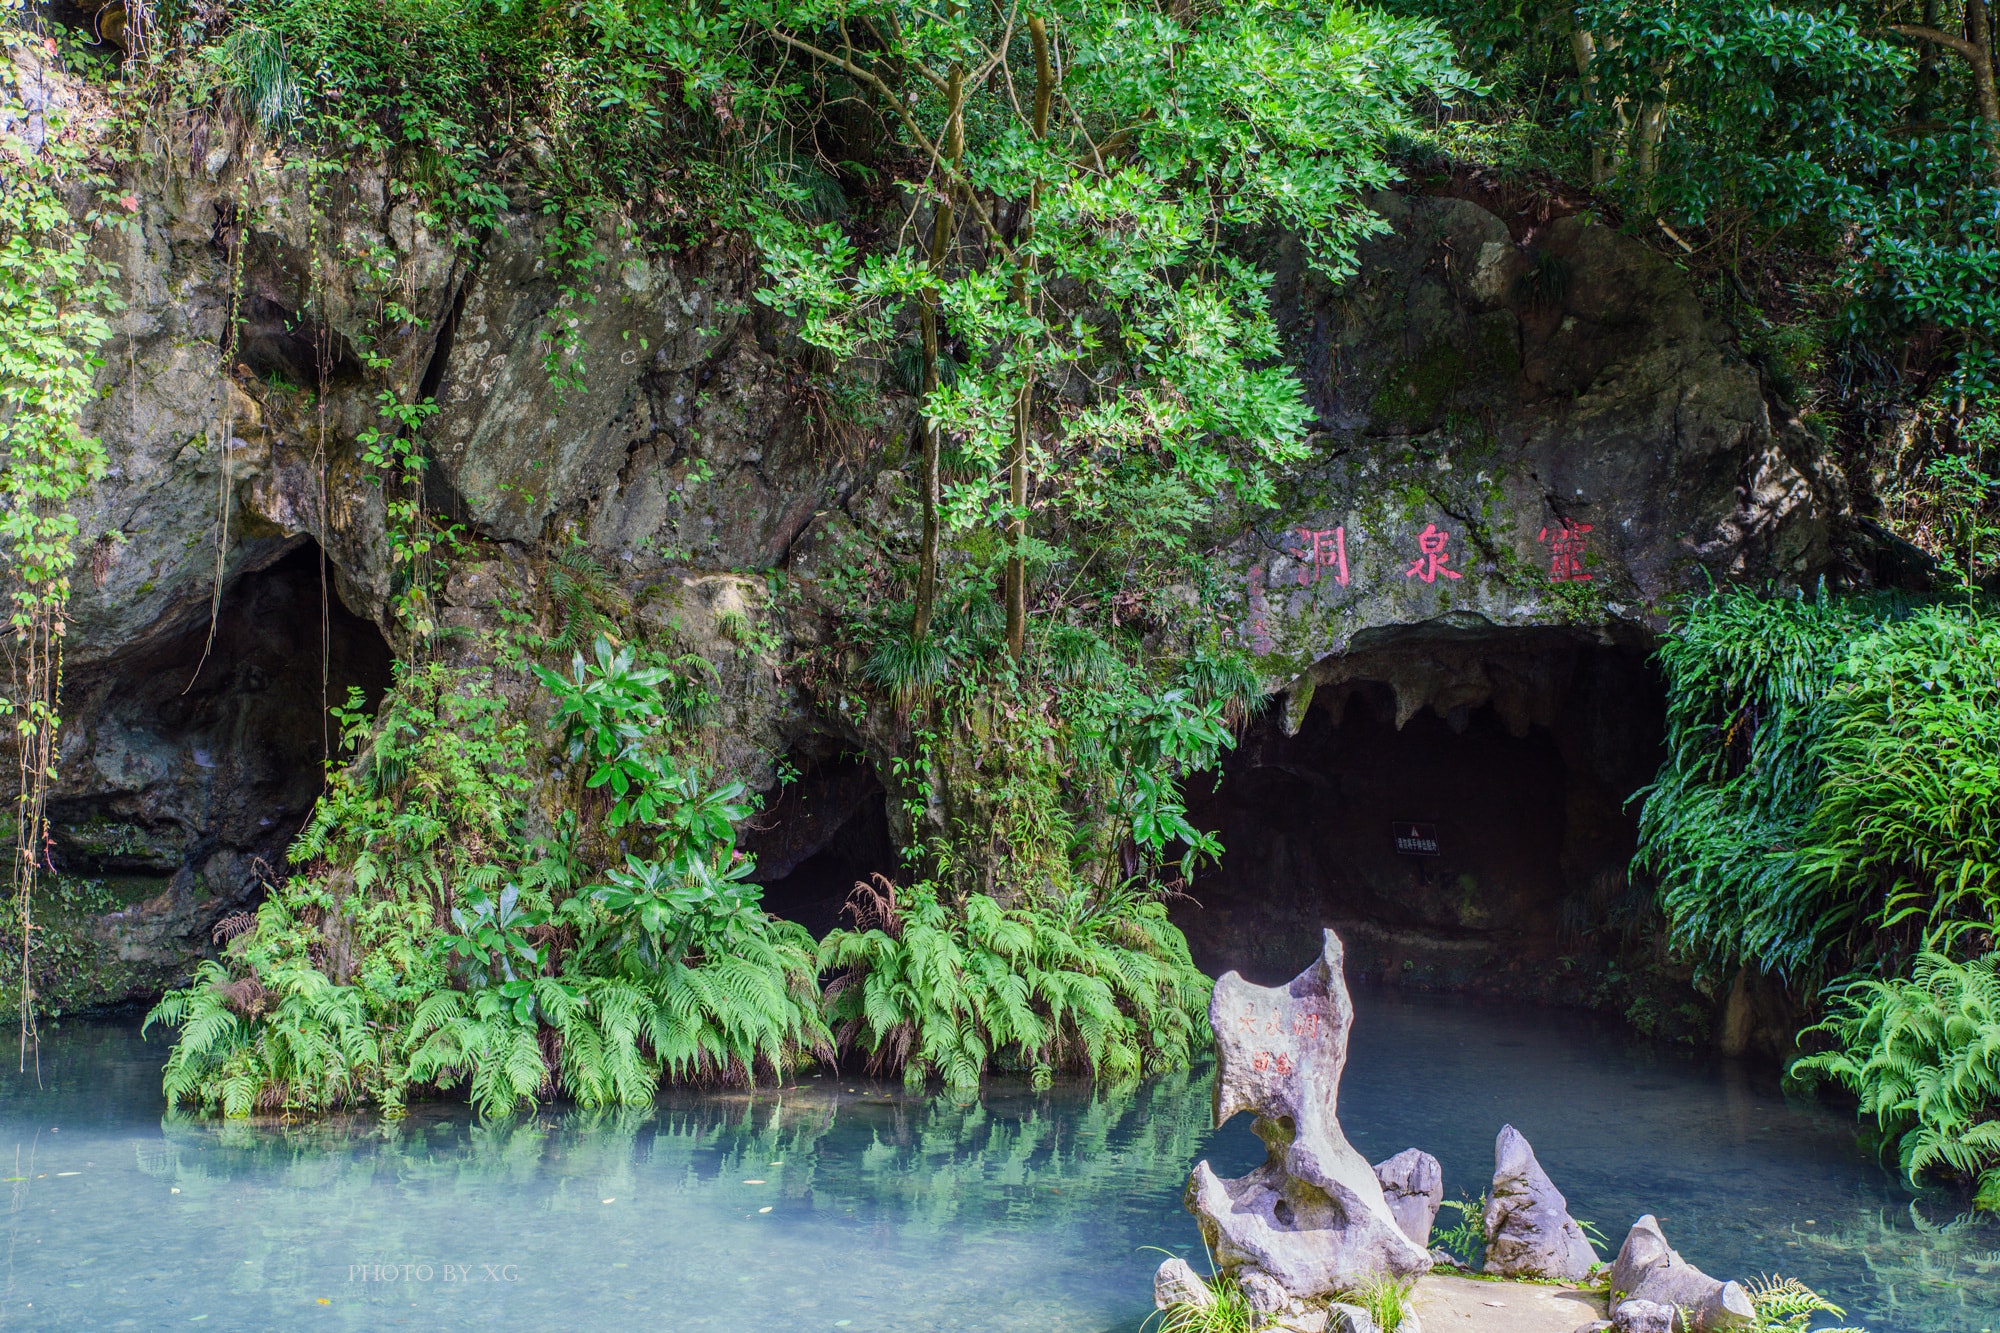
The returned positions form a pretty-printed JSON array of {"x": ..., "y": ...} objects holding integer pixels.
[
  {"x": 433, "y": 939},
  {"x": 55, "y": 294},
  {"x": 1064, "y": 281},
  {"x": 1833, "y": 167},
  {"x": 1831, "y": 174},
  {"x": 1033, "y": 228},
  {"x": 1828, "y": 813}
]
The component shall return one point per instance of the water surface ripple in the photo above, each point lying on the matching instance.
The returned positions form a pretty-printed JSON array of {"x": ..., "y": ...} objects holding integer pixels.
[{"x": 847, "y": 1204}]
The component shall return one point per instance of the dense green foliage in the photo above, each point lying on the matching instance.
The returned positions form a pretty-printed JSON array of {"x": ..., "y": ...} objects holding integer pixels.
[
  {"x": 1723, "y": 824},
  {"x": 453, "y": 93},
  {"x": 1047, "y": 795},
  {"x": 1018, "y": 253},
  {"x": 1864, "y": 136},
  {"x": 1828, "y": 811},
  {"x": 1831, "y": 787},
  {"x": 1106, "y": 987},
  {"x": 1923, "y": 1056},
  {"x": 1033, "y": 231},
  {"x": 1062, "y": 281},
  {"x": 432, "y": 942}
]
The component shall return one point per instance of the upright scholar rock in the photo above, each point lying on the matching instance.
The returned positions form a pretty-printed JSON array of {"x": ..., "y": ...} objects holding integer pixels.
[
  {"x": 1413, "y": 1186},
  {"x": 1312, "y": 1220},
  {"x": 1528, "y": 1227}
]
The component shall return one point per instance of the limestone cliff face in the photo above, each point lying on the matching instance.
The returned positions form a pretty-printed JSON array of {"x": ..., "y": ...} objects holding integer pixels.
[
  {"x": 1516, "y": 432},
  {"x": 1527, "y": 428}
]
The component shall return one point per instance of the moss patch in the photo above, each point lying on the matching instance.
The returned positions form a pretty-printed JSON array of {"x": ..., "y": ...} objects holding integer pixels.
[{"x": 1415, "y": 390}]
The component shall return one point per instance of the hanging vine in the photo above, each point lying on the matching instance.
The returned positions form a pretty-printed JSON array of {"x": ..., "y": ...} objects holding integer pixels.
[{"x": 54, "y": 297}]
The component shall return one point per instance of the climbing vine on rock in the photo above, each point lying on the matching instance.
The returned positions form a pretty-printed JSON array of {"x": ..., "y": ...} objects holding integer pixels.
[{"x": 55, "y": 295}]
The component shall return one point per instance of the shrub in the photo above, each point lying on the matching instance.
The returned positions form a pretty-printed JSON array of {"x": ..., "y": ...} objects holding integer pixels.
[
  {"x": 433, "y": 944},
  {"x": 1104, "y": 987}
]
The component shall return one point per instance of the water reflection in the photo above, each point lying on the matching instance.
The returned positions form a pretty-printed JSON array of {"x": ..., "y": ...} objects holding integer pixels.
[{"x": 839, "y": 1204}]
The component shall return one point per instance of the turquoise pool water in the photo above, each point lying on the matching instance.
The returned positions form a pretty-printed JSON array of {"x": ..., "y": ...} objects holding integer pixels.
[{"x": 849, "y": 1205}]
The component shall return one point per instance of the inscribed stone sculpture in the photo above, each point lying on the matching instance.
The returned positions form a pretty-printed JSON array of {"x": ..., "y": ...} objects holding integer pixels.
[{"x": 1311, "y": 1221}]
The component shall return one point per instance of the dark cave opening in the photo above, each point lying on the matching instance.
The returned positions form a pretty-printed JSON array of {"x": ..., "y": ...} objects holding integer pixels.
[
  {"x": 277, "y": 343},
  {"x": 1514, "y": 752},
  {"x": 817, "y": 836},
  {"x": 208, "y": 769}
]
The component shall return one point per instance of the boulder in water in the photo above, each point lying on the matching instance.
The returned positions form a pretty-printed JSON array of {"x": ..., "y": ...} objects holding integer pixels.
[
  {"x": 1649, "y": 1270},
  {"x": 1529, "y": 1232},
  {"x": 1413, "y": 1187},
  {"x": 1312, "y": 1220}
]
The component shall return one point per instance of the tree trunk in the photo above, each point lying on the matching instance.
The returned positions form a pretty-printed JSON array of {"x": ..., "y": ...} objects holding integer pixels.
[
  {"x": 1976, "y": 48},
  {"x": 944, "y": 224},
  {"x": 1647, "y": 128},
  {"x": 1583, "y": 46},
  {"x": 1017, "y": 464}
]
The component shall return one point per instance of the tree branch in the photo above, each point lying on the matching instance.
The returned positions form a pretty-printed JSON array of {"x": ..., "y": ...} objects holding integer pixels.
[
  {"x": 1923, "y": 34},
  {"x": 930, "y": 149}
]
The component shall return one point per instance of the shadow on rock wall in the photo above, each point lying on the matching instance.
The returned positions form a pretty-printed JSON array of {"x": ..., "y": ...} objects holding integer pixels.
[{"x": 184, "y": 780}]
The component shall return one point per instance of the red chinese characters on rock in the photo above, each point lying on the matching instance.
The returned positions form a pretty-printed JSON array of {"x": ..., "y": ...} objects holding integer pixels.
[
  {"x": 1265, "y": 1059},
  {"x": 1251, "y": 1023},
  {"x": 1565, "y": 543},
  {"x": 1258, "y": 629},
  {"x": 1432, "y": 559},
  {"x": 1319, "y": 549}
]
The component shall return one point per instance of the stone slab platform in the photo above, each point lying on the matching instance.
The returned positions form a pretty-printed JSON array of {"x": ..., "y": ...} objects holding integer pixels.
[{"x": 1467, "y": 1305}]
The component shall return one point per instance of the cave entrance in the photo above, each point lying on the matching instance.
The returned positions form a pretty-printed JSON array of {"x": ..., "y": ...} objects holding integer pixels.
[
  {"x": 210, "y": 768},
  {"x": 817, "y": 836},
  {"x": 1514, "y": 752}
]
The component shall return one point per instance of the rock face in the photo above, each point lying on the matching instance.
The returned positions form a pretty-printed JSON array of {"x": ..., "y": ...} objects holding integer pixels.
[
  {"x": 1413, "y": 1187},
  {"x": 1500, "y": 414},
  {"x": 1178, "y": 1284},
  {"x": 1642, "y": 1317},
  {"x": 1312, "y": 1220},
  {"x": 1648, "y": 1270},
  {"x": 1513, "y": 422},
  {"x": 1529, "y": 1232}
]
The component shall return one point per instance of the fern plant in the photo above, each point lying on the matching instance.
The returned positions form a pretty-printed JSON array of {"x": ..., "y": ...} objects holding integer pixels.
[
  {"x": 1787, "y": 1305},
  {"x": 1465, "y": 1239},
  {"x": 1723, "y": 824},
  {"x": 431, "y": 945},
  {"x": 1907, "y": 829},
  {"x": 1923, "y": 1057},
  {"x": 1831, "y": 795},
  {"x": 1106, "y": 988}
]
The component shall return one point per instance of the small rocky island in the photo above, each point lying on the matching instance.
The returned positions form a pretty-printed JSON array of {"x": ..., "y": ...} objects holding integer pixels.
[{"x": 1316, "y": 1239}]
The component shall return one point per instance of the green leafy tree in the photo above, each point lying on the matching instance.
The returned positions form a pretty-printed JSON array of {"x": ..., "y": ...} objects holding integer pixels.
[
  {"x": 1841, "y": 130},
  {"x": 1080, "y": 178}
]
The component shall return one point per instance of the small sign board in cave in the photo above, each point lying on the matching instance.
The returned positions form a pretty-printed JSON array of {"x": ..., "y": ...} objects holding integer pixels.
[{"x": 1415, "y": 839}]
